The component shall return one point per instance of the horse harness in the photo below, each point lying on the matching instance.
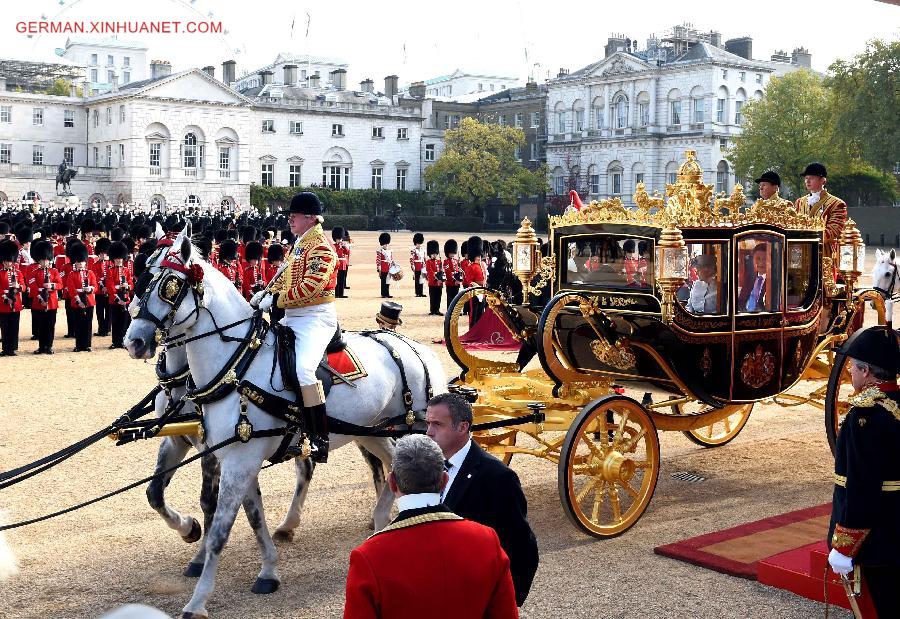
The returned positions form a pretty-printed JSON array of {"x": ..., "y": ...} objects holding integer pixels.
[{"x": 889, "y": 293}]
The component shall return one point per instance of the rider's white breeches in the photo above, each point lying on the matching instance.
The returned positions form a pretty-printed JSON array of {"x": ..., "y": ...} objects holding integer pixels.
[{"x": 314, "y": 327}]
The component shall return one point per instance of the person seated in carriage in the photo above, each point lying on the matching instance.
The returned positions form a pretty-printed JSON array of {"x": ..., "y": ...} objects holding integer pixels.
[
  {"x": 704, "y": 292},
  {"x": 756, "y": 284}
]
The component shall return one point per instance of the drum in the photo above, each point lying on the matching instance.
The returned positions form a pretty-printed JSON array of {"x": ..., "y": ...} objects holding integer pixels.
[{"x": 395, "y": 272}]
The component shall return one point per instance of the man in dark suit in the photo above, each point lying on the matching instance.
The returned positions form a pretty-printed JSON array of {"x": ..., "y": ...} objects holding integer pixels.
[
  {"x": 753, "y": 291},
  {"x": 483, "y": 489},
  {"x": 428, "y": 562}
]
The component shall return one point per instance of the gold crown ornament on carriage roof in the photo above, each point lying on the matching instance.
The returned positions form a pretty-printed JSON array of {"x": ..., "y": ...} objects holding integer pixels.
[{"x": 691, "y": 203}]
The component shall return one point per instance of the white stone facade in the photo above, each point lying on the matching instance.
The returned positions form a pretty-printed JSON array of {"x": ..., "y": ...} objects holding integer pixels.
[
  {"x": 129, "y": 61},
  {"x": 461, "y": 83},
  {"x": 622, "y": 120}
]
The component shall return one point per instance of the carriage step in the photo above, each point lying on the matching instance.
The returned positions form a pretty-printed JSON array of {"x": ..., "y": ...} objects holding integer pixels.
[{"x": 688, "y": 476}]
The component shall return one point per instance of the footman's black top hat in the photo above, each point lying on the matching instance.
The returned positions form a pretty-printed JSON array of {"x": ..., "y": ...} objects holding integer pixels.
[
  {"x": 815, "y": 169},
  {"x": 770, "y": 176},
  {"x": 875, "y": 345},
  {"x": 390, "y": 313}
]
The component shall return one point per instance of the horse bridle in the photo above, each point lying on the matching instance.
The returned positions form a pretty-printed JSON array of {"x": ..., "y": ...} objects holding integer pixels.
[{"x": 889, "y": 293}]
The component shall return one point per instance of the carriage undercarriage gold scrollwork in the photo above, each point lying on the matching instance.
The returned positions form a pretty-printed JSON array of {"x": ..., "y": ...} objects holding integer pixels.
[{"x": 706, "y": 304}]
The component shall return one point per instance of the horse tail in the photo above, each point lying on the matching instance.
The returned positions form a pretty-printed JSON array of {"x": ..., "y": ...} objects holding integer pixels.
[{"x": 8, "y": 566}]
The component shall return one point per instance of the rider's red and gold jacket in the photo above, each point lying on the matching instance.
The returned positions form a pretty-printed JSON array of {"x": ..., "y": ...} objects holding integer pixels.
[{"x": 311, "y": 274}]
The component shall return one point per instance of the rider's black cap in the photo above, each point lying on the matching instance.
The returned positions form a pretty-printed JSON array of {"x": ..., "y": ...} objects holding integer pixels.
[
  {"x": 875, "y": 346},
  {"x": 770, "y": 176},
  {"x": 815, "y": 169},
  {"x": 306, "y": 203}
]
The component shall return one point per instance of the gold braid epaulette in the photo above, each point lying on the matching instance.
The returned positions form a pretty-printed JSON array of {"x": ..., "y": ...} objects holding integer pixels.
[
  {"x": 420, "y": 519},
  {"x": 867, "y": 398}
]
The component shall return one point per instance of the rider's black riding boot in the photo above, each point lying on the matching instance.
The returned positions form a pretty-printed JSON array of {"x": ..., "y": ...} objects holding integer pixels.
[{"x": 316, "y": 422}]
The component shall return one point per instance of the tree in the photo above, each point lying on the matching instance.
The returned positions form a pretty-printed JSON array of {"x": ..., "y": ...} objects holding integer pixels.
[
  {"x": 479, "y": 164},
  {"x": 866, "y": 92},
  {"x": 862, "y": 184},
  {"x": 790, "y": 126},
  {"x": 61, "y": 88}
]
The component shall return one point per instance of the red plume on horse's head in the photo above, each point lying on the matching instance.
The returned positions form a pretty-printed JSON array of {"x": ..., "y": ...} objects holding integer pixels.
[{"x": 575, "y": 200}]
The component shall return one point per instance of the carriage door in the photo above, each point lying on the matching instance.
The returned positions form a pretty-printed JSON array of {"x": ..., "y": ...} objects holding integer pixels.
[
  {"x": 803, "y": 305},
  {"x": 757, "y": 351}
]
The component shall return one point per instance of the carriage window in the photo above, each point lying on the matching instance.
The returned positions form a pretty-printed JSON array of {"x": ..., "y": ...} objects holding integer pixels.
[
  {"x": 802, "y": 275},
  {"x": 758, "y": 271},
  {"x": 609, "y": 260},
  {"x": 704, "y": 291}
]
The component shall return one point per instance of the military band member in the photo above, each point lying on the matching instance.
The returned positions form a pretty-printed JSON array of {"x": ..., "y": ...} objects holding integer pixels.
[
  {"x": 253, "y": 278},
  {"x": 44, "y": 285},
  {"x": 228, "y": 265},
  {"x": 11, "y": 285},
  {"x": 831, "y": 209},
  {"x": 417, "y": 263},
  {"x": 342, "y": 249},
  {"x": 865, "y": 513},
  {"x": 384, "y": 260},
  {"x": 100, "y": 269},
  {"x": 434, "y": 273},
  {"x": 453, "y": 273},
  {"x": 305, "y": 290},
  {"x": 349, "y": 242},
  {"x": 120, "y": 287},
  {"x": 81, "y": 284}
]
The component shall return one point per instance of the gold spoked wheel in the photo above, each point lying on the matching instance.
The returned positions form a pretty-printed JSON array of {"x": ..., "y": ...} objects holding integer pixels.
[
  {"x": 721, "y": 432},
  {"x": 608, "y": 466},
  {"x": 837, "y": 398},
  {"x": 493, "y": 442}
]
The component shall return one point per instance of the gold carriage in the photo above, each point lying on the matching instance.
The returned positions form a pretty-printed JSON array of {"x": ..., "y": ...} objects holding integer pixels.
[{"x": 702, "y": 305}]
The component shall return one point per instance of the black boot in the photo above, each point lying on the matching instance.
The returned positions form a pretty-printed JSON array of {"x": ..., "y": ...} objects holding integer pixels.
[{"x": 316, "y": 422}]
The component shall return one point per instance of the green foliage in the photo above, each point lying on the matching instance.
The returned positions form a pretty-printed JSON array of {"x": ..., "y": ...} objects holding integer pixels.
[
  {"x": 432, "y": 223},
  {"x": 346, "y": 201},
  {"x": 350, "y": 222},
  {"x": 862, "y": 184},
  {"x": 61, "y": 88},
  {"x": 479, "y": 164},
  {"x": 866, "y": 93}
]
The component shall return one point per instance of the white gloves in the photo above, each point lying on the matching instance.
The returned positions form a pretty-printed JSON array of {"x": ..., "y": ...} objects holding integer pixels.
[
  {"x": 840, "y": 563},
  {"x": 257, "y": 298},
  {"x": 267, "y": 301}
]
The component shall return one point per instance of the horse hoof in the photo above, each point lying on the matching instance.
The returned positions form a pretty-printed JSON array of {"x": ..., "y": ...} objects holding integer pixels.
[
  {"x": 193, "y": 570},
  {"x": 283, "y": 536},
  {"x": 195, "y": 534},
  {"x": 264, "y": 586},
  {"x": 193, "y": 616}
]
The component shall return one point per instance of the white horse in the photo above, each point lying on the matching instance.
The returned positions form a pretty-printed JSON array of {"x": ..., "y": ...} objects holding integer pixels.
[
  {"x": 886, "y": 274},
  {"x": 198, "y": 314}
]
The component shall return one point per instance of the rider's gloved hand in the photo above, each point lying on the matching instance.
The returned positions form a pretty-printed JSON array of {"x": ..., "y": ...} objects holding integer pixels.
[
  {"x": 840, "y": 563},
  {"x": 267, "y": 302},
  {"x": 257, "y": 298}
]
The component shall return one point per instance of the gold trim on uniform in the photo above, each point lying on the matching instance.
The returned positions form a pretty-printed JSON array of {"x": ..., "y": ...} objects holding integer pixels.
[
  {"x": 886, "y": 486},
  {"x": 420, "y": 519},
  {"x": 867, "y": 398},
  {"x": 310, "y": 266}
]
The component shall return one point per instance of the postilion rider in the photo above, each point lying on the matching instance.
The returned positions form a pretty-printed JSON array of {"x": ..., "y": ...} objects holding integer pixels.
[
  {"x": 305, "y": 290},
  {"x": 865, "y": 512}
]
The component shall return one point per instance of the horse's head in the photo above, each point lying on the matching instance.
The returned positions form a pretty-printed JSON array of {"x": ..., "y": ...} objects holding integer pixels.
[
  {"x": 885, "y": 277},
  {"x": 168, "y": 294}
]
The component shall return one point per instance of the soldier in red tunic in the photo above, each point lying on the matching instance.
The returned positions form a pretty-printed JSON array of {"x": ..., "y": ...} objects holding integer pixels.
[
  {"x": 342, "y": 249},
  {"x": 348, "y": 241},
  {"x": 253, "y": 280},
  {"x": 44, "y": 285},
  {"x": 120, "y": 285},
  {"x": 275, "y": 257},
  {"x": 100, "y": 268},
  {"x": 11, "y": 285},
  {"x": 227, "y": 263},
  {"x": 384, "y": 260},
  {"x": 434, "y": 273},
  {"x": 81, "y": 284},
  {"x": 453, "y": 274},
  {"x": 417, "y": 263}
]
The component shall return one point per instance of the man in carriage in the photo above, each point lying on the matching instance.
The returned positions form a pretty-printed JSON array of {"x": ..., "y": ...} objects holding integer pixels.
[{"x": 305, "y": 290}]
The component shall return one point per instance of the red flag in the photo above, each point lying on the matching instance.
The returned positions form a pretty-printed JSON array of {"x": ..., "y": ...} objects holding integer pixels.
[{"x": 575, "y": 200}]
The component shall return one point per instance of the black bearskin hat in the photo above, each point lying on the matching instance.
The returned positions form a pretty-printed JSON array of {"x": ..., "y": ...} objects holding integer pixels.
[
  {"x": 204, "y": 245},
  {"x": 24, "y": 234},
  {"x": 9, "y": 251},
  {"x": 228, "y": 250},
  {"x": 337, "y": 233},
  {"x": 475, "y": 247},
  {"x": 384, "y": 238},
  {"x": 248, "y": 233},
  {"x": 220, "y": 235},
  {"x": 101, "y": 246},
  {"x": 253, "y": 251},
  {"x": 78, "y": 252},
  {"x": 41, "y": 250},
  {"x": 464, "y": 249},
  {"x": 275, "y": 252},
  {"x": 432, "y": 247},
  {"x": 118, "y": 250},
  {"x": 63, "y": 228},
  {"x": 450, "y": 246},
  {"x": 87, "y": 226},
  {"x": 418, "y": 238}
]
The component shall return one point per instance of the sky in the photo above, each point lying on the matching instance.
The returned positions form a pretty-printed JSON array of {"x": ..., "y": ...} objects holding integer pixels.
[{"x": 419, "y": 40}]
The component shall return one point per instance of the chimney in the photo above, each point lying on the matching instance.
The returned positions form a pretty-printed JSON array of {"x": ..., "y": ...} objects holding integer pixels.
[
  {"x": 715, "y": 38},
  {"x": 390, "y": 86},
  {"x": 290, "y": 75},
  {"x": 367, "y": 85},
  {"x": 531, "y": 88},
  {"x": 228, "y": 71},
  {"x": 742, "y": 47},
  {"x": 339, "y": 79},
  {"x": 266, "y": 77},
  {"x": 210, "y": 70},
  {"x": 562, "y": 72},
  {"x": 314, "y": 80},
  {"x": 417, "y": 89},
  {"x": 615, "y": 44},
  {"x": 160, "y": 68},
  {"x": 801, "y": 57}
]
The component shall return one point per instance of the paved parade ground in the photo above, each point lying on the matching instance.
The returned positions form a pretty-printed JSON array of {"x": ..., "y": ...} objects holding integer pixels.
[{"x": 119, "y": 551}]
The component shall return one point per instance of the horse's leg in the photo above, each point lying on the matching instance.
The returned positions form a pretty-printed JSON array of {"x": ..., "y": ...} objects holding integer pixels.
[
  {"x": 171, "y": 452},
  {"x": 239, "y": 471},
  {"x": 304, "y": 470},
  {"x": 377, "y": 469},
  {"x": 209, "y": 495},
  {"x": 268, "y": 580},
  {"x": 383, "y": 449}
]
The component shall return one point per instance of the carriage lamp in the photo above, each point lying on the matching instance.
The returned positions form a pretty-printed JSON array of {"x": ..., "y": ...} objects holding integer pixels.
[
  {"x": 671, "y": 267},
  {"x": 851, "y": 254},
  {"x": 526, "y": 256}
]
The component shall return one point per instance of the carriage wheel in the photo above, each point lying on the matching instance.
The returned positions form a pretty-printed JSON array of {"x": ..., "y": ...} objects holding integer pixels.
[
  {"x": 837, "y": 398},
  {"x": 608, "y": 466},
  {"x": 488, "y": 439},
  {"x": 721, "y": 432}
]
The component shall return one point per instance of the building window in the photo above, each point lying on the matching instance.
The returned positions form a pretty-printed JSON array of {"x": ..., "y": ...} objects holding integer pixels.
[
  {"x": 126, "y": 61},
  {"x": 376, "y": 178},
  {"x": 69, "y": 155},
  {"x": 535, "y": 120},
  {"x": 401, "y": 179},
  {"x": 759, "y": 78},
  {"x": 5, "y": 153},
  {"x": 378, "y": 132},
  {"x": 638, "y": 178},
  {"x": 723, "y": 144},
  {"x": 447, "y": 121},
  {"x": 621, "y": 112},
  {"x": 518, "y": 153},
  {"x": 294, "y": 175},
  {"x": 126, "y": 77},
  {"x": 121, "y": 114},
  {"x": 594, "y": 182},
  {"x": 337, "y": 130},
  {"x": 336, "y": 177},
  {"x": 456, "y": 119},
  {"x": 501, "y": 120},
  {"x": 296, "y": 127},
  {"x": 698, "y": 110},
  {"x": 401, "y": 133},
  {"x": 110, "y": 61},
  {"x": 720, "y": 110},
  {"x": 37, "y": 155},
  {"x": 109, "y": 116},
  {"x": 534, "y": 151},
  {"x": 121, "y": 155},
  {"x": 721, "y": 176},
  {"x": 268, "y": 175},
  {"x": 559, "y": 185},
  {"x": 108, "y": 155},
  {"x": 738, "y": 116},
  {"x": 110, "y": 76},
  {"x": 96, "y": 156},
  {"x": 617, "y": 183},
  {"x": 189, "y": 151},
  {"x": 268, "y": 126},
  {"x": 520, "y": 120},
  {"x": 743, "y": 75},
  {"x": 644, "y": 113},
  {"x": 94, "y": 76},
  {"x": 429, "y": 152},
  {"x": 579, "y": 120},
  {"x": 155, "y": 151},
  {"x": 68, "y": 118},
  {"x": 224, "y": 162},
  {"x": 676, "y": 113},
  {"x": 37, "y": 116},
  {"x": 93, "y": 59},
  {"x": 561, "y": 122},
  {"x": 671, "y": 177},
  {"x": 724, "y": 74},
  {"x": 5, "y": 113}
]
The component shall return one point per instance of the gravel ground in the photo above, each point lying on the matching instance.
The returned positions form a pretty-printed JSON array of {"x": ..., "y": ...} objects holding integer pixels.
[{"x": 119, "y": 551}]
